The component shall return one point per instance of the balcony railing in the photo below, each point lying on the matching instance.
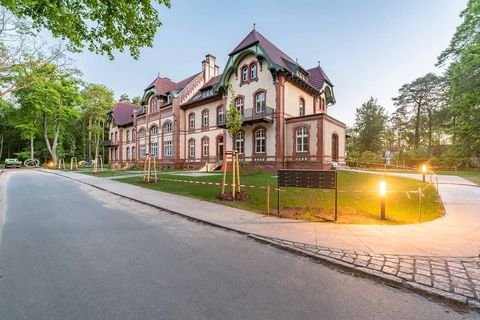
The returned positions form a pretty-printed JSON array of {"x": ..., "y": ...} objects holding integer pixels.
[
  {"x": 109, "y": 143},
  {"x": 251, "y": 116}
]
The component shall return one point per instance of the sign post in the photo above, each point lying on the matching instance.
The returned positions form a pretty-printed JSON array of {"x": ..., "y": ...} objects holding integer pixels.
[{"x": 319, "y": 179}]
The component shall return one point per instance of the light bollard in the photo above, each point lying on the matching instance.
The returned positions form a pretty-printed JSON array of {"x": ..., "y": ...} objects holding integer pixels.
[
  {"x": 383, "y": 193},
  {"x": 424, "y": 171}
]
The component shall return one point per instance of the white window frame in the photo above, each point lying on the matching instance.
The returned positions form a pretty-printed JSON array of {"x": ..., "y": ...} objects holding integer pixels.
[
  {"x": 191, "y": 148},
  {"x": 240, "y": 104},
  {"x": 167, "y": 127},
  {"x": 191, "y": 121},
  {"x": 301, "y": 106},
  {"x": 240, "y": 142},
  {"x": 205, "y": 147},
  {"x": 260, "y": 103},
  {"x": 205, "y": 118},
  {"x": 167, "y": 148},
  {"x": 301, "y": 136},
  {"x": 220, "y": 115},
  {"x": 245, "y": 74},
  {"x": 260, "y": 140},
  {"x": 253, "y": 71}
]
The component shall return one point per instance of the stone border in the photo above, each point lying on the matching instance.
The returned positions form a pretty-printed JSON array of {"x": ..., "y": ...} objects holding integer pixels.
[{"x": 452, "y": 280}]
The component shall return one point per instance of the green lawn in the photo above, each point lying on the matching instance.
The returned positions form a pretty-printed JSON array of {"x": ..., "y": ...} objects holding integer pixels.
[
  {"x": 358, "y": 197},
  {"x": 108, "y": 172}
]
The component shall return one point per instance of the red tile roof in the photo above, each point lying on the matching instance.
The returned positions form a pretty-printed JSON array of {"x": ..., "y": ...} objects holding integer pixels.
[
  {"x": 317, "y": 77},
  {"x": 123, "y": 113},
  {"x": 164, "y": 85},
  {"x": 277, "y": 55},
  {"x": 212, "y": 82}
]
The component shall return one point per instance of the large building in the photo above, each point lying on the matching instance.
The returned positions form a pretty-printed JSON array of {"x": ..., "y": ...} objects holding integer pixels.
[{"x": 284, "y": 108}]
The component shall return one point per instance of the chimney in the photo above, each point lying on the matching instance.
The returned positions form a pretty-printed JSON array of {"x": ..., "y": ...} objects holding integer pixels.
[{"x": 209, "y": 68}]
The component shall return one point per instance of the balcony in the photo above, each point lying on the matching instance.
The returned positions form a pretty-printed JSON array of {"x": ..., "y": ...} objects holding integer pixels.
[
  {"x": 251, "y": 116},
  {"x": 109, "y": 143}
]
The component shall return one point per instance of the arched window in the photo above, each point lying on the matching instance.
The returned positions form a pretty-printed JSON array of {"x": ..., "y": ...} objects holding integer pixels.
[
  {"x": 167, "y": 127},
  {"x": 240, "y": 142},
  {"x": 205, "y": 147},
  {"x": 111, "y": 136},
  {"x": 134, "y": 155},
  {"x": 133, "y": 135},
  {"x": 260, "y": 139},
  {"x": 153, "y": 105},
  {"x": 153, "y": 131},
  {"x": 191, "y": 148},
  {"x": 334, "y": 147},
  {"x": 128, "y": 153},
  {"x": 260, "y": 102},
  {"x": 141, "y": 133},
  {"x": 191, "y": 120},
  {"x": 205, "y": 120},
  {"x": 301, "y": 107},
  {"x": 253, "y": 71},
  {"x": 245, "y": 74},
  {"x": 240, "y": 105},
  {"x": 116, "y": 136},
  {"x": 220, "y": 115},
  {"x": 128, "y": 135},
  {"x": 302, "y": 139},
  {"x": 141, "y": 145}
]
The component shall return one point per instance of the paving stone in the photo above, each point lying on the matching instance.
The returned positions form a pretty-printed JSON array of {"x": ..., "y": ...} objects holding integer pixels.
[
  {"x": 440, "y": 278},
  {"x": 459, "y": 282},
  {"x": 462, "y": 275},
  {"x": 405, "y": 270},
  {"x": 360, "y": 262},
  {"x": 442, "y": 286},
  {"x": 391, "y": 264},
  {"x": 324, "y": 252},
  {"x": 423, "y": 280},
  {"x": 430, "y": 290},
  {"x": 390, "y": 270},
  {"x": 374, "y": 266},
  {"x": 381, "y": 275},
  {"x": 336, "y": 256},
  {"x": 406, "y": 276},
  {"x": 440, "y": 273},
  {"x": 348, "y": 259},
  {"x": 464, "y": 292},
  {"x": 423, "y": 272},
  {"x": 474, "y": 304}
]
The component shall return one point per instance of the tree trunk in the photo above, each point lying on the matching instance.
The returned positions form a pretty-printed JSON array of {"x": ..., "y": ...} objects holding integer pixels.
[
  {"x": 90, "y": 121},
  {"x": 32, "y": 152},
  {"x": 417, "y": 126},
  {"x": 52, "y": 147},
  {"x": 1, "y": 145},
  {"x": 429, "y": 132}
]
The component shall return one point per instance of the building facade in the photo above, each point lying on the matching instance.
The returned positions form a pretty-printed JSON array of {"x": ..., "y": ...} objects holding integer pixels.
[{"x": 284, "y": 108}]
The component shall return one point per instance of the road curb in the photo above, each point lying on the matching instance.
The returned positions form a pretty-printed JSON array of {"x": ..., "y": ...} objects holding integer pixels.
[{"x": 456, "y": 301}]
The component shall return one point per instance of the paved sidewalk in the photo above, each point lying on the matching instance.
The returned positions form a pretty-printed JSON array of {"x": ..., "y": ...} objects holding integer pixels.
[{"x": 439, "y": 258}]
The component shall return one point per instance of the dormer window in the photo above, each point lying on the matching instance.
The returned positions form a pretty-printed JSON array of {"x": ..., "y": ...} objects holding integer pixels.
[
  {"x": 153, "y": 105},
  {"x": 253, "y": 71},
  {"x": 169, "y": 98},
  {"x": 245, "y": 74}
]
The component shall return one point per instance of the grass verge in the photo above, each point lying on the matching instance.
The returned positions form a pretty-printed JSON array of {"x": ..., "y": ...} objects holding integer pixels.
[{"x": 358, "y": 197}]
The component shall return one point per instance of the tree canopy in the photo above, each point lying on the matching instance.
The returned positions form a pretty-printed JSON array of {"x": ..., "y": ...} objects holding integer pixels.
[{"x": 102, "y": 26}]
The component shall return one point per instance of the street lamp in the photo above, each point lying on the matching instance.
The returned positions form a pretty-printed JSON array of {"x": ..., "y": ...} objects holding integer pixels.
[
  {"x": 424, "y": 171},
  {"x": 383, "y": 193}
]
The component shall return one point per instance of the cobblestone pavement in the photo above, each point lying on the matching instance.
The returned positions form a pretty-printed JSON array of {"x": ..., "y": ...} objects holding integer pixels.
[{"x": 455, "y": 279}]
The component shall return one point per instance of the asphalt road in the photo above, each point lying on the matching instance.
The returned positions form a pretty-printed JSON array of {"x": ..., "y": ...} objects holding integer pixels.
[{"x": 69, "y": 251}]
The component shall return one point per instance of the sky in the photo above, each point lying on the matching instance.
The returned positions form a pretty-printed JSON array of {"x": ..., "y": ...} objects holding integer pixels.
[{"x": 368, "y": 48}]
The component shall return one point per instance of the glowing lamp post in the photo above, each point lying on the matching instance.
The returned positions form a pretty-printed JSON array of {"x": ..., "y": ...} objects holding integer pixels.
[
  {"x": 383, "y": 193},
  {"x": 424, "y": 171}
]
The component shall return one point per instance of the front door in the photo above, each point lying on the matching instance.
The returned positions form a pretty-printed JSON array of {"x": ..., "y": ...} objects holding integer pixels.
[{"x": 220, "y": 148}]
